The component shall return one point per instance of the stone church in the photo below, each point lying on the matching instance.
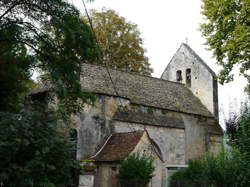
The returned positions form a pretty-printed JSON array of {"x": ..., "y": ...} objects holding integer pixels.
[{"x": 177, "y": 113}]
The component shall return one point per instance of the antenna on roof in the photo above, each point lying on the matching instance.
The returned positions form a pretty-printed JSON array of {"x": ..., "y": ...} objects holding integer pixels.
[{"x": 186, "y": 40}]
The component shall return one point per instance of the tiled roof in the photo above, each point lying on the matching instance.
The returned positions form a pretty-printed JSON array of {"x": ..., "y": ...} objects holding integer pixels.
[
  {"x": 118, "y": 146},
  {"x": 142, "y": 90}
]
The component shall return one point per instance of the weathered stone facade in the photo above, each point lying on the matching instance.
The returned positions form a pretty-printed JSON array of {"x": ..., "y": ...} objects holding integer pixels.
[
  {"x": 202, "y": 78},
  {"x": 118, "y": 146},
  {"x": 182, "y": 124}
]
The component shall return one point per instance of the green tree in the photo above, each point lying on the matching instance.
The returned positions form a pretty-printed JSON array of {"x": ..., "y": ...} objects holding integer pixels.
[
  {"x": 238, "y": 130},
  {"x": 227, "y": 169},
  {"x": 227, "y": 31},
  {"x": 47, "y": 35},
  {"x": 120, "y": 42},
  {"x": 230, "y": 168},
  {"x": 136, "y": 170},
  {"x": 242, "y": 139},
  {"x": 34, "y": 152},
  {"x": 14, "y": 75}
]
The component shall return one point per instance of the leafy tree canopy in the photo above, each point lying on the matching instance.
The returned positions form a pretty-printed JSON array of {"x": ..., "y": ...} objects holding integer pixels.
[
  {"x": 33, "y": 150},
  {"x": 136, "y": 166},
  {"x": 227, "y": 31},
  {"x": 238, "y": 130},
  {"x": 119, "y": 41},
  {"x": 228, "y": 168},
  {"x": 46, "y": 35}
]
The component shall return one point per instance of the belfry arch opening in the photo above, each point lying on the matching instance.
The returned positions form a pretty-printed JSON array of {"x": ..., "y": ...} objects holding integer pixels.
[
  {"x": 188, "y": 77},
  {"x": 178, "y": 76}
]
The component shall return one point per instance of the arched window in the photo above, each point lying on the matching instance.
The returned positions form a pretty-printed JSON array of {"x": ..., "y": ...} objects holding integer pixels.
[
  {"x": 188, "y": 77},
  {"x": 178, "y": 76}
]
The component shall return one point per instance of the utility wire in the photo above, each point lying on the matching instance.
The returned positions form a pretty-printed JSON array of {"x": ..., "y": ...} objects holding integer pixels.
[
  {"x": 101, "y": 57},
  {"x": 106, "y": 66}
]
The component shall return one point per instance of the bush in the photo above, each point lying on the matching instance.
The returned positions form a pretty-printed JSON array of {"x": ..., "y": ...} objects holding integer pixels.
[
  {"x": 228, "y": 169},
  {"x": 34, "y": 152},
  {"x": 137, "y": 169}
]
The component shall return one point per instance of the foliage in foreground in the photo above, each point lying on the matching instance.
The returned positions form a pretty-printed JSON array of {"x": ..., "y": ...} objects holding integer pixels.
[
  {"x": 33, "y": 151},
  {"x": 238, "y": 130},
  {"x": 228, "y": 169},
  {"x": 136, "y": 167},
  {"x": 49, "y": 36},
  {"x": 227, "y": 31},
  {"x": 120, "y": 41}
]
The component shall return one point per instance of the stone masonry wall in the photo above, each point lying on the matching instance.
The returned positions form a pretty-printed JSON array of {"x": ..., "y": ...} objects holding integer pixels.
[
  {"x": 179, "y": 136},
  {"x": 203, "y": 83}
]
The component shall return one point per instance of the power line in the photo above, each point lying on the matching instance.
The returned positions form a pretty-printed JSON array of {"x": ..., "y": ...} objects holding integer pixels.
[{"x": 101, "y": 57}]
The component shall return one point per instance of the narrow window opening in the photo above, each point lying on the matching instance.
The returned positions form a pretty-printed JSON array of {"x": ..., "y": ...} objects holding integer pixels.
[
  {"x": 188, "y": 77},
  {"x": 73, "y": 138},
  {"x": 178, "y": 76}
]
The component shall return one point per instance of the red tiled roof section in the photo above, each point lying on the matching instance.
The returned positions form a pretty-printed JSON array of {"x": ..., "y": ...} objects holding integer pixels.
[{"x": 118, "y": 146}]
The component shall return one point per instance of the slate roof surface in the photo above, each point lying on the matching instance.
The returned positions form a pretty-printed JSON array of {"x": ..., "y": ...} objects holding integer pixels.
[
  {"x": 143, "y": 90},
  {"x": 118, "y": 146}
]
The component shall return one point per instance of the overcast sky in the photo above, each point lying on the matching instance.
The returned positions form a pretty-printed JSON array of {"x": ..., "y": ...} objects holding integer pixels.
[{"x": 164, "y": 25}]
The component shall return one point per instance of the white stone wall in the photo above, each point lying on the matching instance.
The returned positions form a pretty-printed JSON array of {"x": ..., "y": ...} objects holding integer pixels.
[
  {"x": 177, "y": 143},
  {"x": 216, "y": 143},
  {"x": 145, "y": 147},
  {"x": 171, "y": 141},
  {"x": 86, "y": 181},
  {"x": 202, "y": 81}
]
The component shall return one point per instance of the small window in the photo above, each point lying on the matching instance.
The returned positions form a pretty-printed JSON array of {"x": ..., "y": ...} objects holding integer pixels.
[
  {"x": 178, "y": 76},
  {"x": 114, "y": 168},
  {"x": 188, "y": 77}
]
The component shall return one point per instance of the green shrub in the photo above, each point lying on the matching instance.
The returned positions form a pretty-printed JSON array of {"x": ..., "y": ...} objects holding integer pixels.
[
  {"x": 136, "y": 167},
  {"x": 228, "y": 169},
  {"x": 34, "y": 152}
]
